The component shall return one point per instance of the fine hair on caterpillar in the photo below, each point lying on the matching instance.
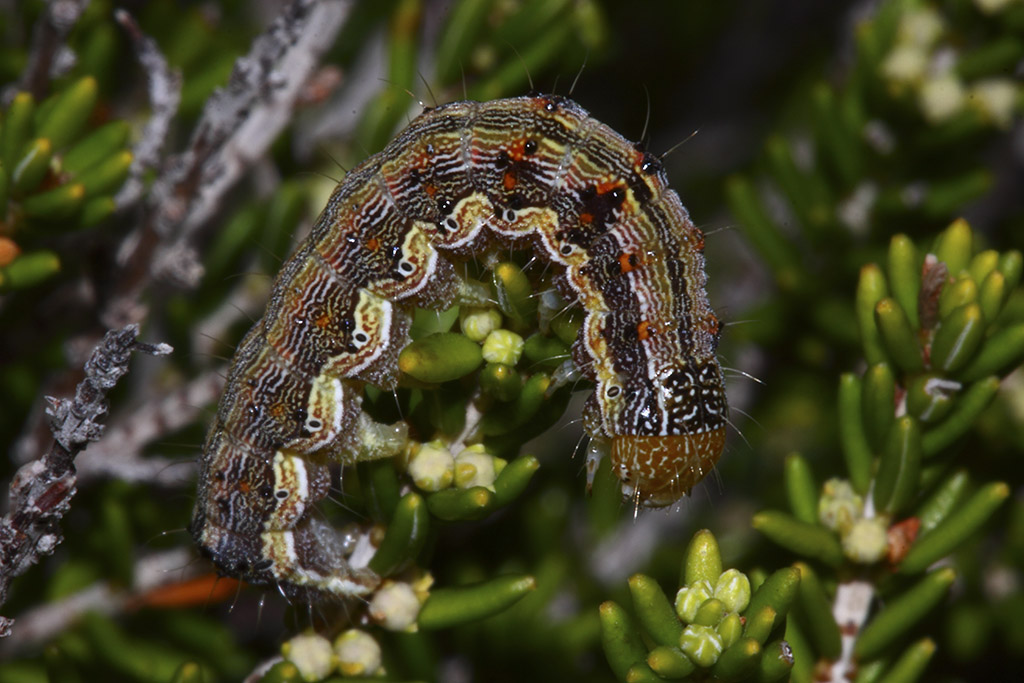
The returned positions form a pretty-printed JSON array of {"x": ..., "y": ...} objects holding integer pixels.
[{"x": 533, "y": 173}]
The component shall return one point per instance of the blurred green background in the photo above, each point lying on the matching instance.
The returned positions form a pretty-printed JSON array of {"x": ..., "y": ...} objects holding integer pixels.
[{"x": 800, "y": 135}]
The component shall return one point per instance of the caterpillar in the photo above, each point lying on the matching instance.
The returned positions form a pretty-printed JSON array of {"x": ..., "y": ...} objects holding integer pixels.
[{"x": 535, "y": 172}]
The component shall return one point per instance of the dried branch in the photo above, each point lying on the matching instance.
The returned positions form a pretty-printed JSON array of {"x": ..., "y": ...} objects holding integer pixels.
[
  {"x": 41, "y": 491},
  {"x": 238, "y": 124},
  {"x": 164, "y": 97},
  {"x": 119, "y": 453},
  {"x": 49, "y": 56}
]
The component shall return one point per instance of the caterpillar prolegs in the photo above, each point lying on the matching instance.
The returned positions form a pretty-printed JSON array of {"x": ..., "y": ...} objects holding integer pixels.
[{"x": 534, "y": 172}]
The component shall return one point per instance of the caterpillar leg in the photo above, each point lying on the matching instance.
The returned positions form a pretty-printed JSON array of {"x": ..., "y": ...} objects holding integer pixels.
[
  {"x": 313, "y": 560},
  {"x": 596, "y": 450},
  {"x": 375, "y": 440}
]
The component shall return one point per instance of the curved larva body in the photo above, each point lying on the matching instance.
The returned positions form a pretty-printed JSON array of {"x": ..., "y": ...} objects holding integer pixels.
[{"x": 534, "y": 171}]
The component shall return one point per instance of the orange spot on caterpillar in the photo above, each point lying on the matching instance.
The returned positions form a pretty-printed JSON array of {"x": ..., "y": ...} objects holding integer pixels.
[
  {"x": 322, "y": 321},
  {"x": 430, "y": 189},
  {"x": 373, "y": 244},
  {"x": 657, "y": 470},
  {"x": 515, "y": 150},
  {"x": 509, "y": 181},
  {"x": 644, "y": 330},
  {"x": 586, "y": 218},
  {"x": 244, "y": 487},
  {"x": 627, "y": 262}
]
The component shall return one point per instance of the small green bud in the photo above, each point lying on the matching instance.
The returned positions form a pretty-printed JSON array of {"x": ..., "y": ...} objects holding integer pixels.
[
  {"x": 29, "y": 269},
  {"x": 690, "y": 598},
  {"x": 395, "y": 606},
  {"x": 1000, "y": 352},
  {"x": 992, "y": 295},
  {"x": 406, "y": 533},
  {"x": 547, "y": 352},
  {"x": 703, "y": 561},
  {"x": 866, "y": 541},
  {"x": 475, "y": 467},
  {"x": 31, "y": 168},
  {"x": 856, "y": 449},
  {"x": 17, "y": 128},
  {"x": 702, "y": 644},
  {"x": 431, "y": 466},
  {"x": 477, "y": 323},
  {"x": 656, "y": 614},
  {"x": 954, "y": 245},
  {"x": 281, "y": 672},
  {"x": 669, "y": 662},
  {"x": 983, "y": 263},
  {"x": 513, "y": 479},
  {"x": 710, "y": 613},
  {"x": 501, "y": 381},
  {"x": 738, "y": 662},
  {"x": 899, "y": 338},
  {"x": 877, "y": 401},
  {"x": 1011, "y": 265},
  {"x": 899, "y": 468},
  {"x": 96, "y": 210},
  {"x": 358, "y": 653},
  {"x": 59, "y": 203},
  {"x": 839, "y": 505},
  {"x": 905, "y": 276},
  {"x": 188, "y": 672},
  {"x": 930, "y": 397},
  {"x": 733, "y": 589},
  {"x": 447, "y": 607},
  {"x": 515, "y": 293},
  {"x": 567, "y": 324},
  {"x": 68, "y": 112},
  {"x": 107, "y": 176},
  {"x": 502, "y": 346},
  {"x": 760, "y": 622},
  {"x": 518, "y": 412},
  {"x": 871, "y": 288},
  {"x": 461, "y": 504},
  {"x": 311, "y": 654},
  {"x": 440, "y": 357},
  {"x": 960, "y": 292},
  {"x": 957, "y": 337},
  {"x": 730, "y": 628},
  {"x": 96, "y": 147},
  {"x": 620, "y": 639}
]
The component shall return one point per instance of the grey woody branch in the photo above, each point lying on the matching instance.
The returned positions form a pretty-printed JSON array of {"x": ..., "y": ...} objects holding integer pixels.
[
  {"x": 49, "y": 55},
  {"x": 164, "y": 87},
  {"x": 118, "y": 455},
  {"x": 238, "y": 125},
  {"x": 41, "y": 491}
]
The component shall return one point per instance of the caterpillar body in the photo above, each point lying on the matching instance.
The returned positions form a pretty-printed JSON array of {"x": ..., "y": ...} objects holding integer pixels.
[{"x": 535, "y": 172}]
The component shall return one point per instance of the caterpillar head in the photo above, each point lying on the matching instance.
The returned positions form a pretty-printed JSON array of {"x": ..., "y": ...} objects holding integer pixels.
[{"x": 671, "y": 433}]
